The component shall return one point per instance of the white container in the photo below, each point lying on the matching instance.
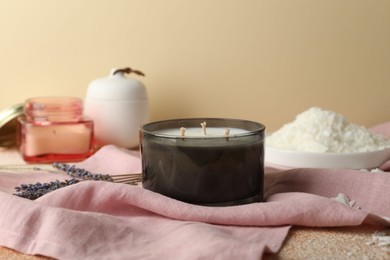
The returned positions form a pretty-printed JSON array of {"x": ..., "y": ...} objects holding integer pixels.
[{"x": 118, "y": 105}]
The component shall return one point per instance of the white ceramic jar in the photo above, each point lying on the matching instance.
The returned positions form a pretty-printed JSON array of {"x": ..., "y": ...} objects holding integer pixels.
[{"x": 118, "y": 105}]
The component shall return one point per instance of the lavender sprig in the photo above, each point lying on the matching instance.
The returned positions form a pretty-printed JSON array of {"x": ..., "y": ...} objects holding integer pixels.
[
  {"x": 34, "y": 191},
  {"x": 82, "y": 174},
  {"x": 79, "y": 173}
]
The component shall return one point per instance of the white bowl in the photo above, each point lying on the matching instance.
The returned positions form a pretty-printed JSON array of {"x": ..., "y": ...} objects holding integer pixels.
[{"x": 294, "y": 159}]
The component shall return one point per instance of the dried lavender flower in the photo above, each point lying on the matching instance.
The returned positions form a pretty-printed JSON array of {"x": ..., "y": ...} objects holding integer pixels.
[
  {"x": 79, "y": 173},
  {"x": 34, "y": 191},
  {"x": 72, "y": 170}
]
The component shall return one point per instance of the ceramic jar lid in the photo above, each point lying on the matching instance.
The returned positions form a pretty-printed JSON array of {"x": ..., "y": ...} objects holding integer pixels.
[{"x": 117, "y": 86}]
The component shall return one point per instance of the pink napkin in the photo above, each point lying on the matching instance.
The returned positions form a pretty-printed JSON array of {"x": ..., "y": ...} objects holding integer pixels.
[{"x": 103, "y": 220}]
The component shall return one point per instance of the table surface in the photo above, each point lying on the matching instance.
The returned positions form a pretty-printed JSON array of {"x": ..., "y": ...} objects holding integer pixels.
[{"x": 301, "y": 242}]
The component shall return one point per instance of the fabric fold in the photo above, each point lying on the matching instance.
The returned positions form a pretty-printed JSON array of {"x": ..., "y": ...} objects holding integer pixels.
[
  {"x": 126, "y": 232},
  {"x": 290, "y": 208}
]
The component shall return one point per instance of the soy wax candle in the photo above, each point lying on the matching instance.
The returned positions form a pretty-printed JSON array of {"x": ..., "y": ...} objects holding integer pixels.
[
  {"x": 205, "y": 161},
  {"x": 54, "y": 129}
]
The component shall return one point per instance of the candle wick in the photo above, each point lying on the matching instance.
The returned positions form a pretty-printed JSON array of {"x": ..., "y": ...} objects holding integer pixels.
[
  {"x": 182, "y": 131},
  {"x": 204, "y": 127},
  {"x": 227, "y": 132}
]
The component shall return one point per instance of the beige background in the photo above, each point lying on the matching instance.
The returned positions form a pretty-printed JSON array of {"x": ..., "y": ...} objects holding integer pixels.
[{"x": 260, "y": 60}]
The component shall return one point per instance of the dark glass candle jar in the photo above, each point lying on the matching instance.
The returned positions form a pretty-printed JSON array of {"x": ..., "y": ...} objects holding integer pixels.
[
  {"x": 205, "y": 161},
  {"x": 54, "y": 129}
]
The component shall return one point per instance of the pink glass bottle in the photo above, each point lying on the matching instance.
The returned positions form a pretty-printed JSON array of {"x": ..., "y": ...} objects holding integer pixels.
[{"x": 54, "y": 129}]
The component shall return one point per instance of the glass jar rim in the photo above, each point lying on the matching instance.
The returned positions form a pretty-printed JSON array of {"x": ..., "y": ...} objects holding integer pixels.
[
  {"x": 42, "y": 107},
  {"x": 252, "y": 127}
]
